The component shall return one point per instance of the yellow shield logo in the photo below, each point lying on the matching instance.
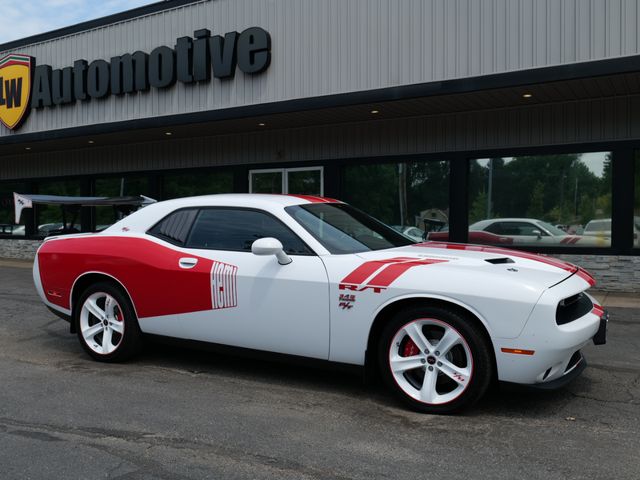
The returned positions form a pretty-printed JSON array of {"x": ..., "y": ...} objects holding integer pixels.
[{"x": 16, "y": 73}]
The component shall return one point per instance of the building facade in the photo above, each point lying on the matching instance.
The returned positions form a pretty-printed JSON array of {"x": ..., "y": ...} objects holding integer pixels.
[{"x": 434, "y": 114}]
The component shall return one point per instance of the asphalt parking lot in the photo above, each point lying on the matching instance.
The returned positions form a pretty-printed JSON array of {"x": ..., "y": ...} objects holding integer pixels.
[{"x": 174, "y": 413}]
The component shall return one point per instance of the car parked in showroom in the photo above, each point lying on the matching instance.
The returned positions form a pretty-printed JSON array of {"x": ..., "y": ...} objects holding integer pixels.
[
  {"x": 314, "y": 277},
  {"x": 531, "y": 231}
]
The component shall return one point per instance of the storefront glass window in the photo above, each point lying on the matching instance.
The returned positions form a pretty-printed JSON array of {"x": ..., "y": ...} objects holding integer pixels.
[
  {"x": 267, "y": 181},
  {"x": 541, "y": 200},
  {"x": 299, "y": 181},
  {"x": 200, "y": 183},
  {"x": 305, "y": 182},
  {"x": 50, "y": 217},
  {"x": 7, "y": 215},
  {"x": 636, "y": 204},
  {"x": 411, "y": 197},
  {"x": 117, "y": 187}
]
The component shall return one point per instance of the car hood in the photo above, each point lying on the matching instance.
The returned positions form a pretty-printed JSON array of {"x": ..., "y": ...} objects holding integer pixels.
[{"x": 481, "y": 262}]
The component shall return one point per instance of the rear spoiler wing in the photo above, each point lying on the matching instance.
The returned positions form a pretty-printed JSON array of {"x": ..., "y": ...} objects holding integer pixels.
[{"x": 72, "y": 204}]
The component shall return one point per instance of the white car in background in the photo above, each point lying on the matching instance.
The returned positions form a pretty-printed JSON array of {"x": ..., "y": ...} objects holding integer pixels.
[
  {"x": 313, "y": 277},
  {"x": 601, "y": 228},
  {"x": 531, "y": 231}
]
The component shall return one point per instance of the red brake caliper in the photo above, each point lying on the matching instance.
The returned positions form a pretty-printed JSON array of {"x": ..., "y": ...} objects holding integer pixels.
[{"x": 410, "y": 349}]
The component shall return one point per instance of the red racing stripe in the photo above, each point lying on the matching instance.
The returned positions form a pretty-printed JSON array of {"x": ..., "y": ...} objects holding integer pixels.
[
  {"x": 502, "y": 251},
  {"x": 554, "y": 262},
  {"x": 586, "y": 276},
  {"x": 364, "y": 271},
  {"x": 597, "y": 310},
  {"x": 314, "y": 198},
  {"x": 392, "y": 272}
]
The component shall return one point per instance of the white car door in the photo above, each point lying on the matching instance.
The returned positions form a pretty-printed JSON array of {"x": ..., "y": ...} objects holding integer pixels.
[{"x": 255, "y": 302}]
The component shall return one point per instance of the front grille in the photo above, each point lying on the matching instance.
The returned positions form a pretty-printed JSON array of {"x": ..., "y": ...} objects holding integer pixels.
[{"x": 572, "y": 308}]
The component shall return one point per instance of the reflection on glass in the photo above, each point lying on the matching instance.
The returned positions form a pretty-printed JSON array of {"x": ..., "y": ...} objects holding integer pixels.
[
  {"x": 636, "y": 204},
  {"x": 122, "y": 186},
  {"x": 543, "y": 200},
  {"x": 266, "y": 182},
  {"x": 117, "y": 187},
  {"x": 7, "y": 212},
  {"x": 201, "y": 183},
  {"x": 50, "y": 218},
  {"x": 411, "y": 197},
  {"x": 304, "y": 182}
]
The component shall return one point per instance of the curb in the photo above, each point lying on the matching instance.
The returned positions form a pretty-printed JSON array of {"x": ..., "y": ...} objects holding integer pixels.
[{"x": 16, "y": 263}]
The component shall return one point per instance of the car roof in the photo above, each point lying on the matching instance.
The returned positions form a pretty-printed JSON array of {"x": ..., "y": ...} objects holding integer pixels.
[
  {"x": 483, "y": 223},
  {"x": 247, "y": 200},
  {"x": 144, "y": 218}
]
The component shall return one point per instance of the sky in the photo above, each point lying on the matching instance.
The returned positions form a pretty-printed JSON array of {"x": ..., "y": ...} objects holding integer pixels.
[{"x": 19, "y": 19}]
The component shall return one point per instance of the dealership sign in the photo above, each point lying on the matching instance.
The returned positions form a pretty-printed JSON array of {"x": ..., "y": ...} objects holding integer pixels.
[
  {"x": 15, "y": 87},
  {"x": 193, "y": 60}
]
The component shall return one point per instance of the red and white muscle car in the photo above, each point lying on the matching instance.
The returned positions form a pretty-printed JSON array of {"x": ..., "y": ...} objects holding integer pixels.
[{"x": 315, "y": 277}]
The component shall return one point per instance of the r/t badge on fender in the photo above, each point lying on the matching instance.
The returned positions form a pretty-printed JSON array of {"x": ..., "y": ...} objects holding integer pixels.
[{"x": 346, "y": 301}]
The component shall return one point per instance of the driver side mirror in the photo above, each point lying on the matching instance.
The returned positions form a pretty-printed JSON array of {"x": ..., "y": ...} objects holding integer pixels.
[
  {"x": 271, "y": 246},
  {"x": 537, "y": 233}
]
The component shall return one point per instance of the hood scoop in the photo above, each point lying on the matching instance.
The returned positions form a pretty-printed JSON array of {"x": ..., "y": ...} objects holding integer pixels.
[{"x": 498, "y": 261}]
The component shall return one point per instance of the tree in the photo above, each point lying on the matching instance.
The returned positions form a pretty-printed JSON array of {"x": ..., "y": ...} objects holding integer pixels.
[
  {"x": 478, "y": 210},
  {"x": 536, "y": 203}
]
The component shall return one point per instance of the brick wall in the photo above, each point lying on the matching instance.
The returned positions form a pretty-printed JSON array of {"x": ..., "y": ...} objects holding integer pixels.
[
  {"x": 23, "y": 249},
  {"x": 614, "y": 273}
]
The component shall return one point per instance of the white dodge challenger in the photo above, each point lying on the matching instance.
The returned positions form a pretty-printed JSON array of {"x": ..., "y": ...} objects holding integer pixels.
[{"x": 314, "y": 277}]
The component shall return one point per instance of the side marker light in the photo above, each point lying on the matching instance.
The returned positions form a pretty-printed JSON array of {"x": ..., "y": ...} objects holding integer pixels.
[{"x": 517, "y": 351}]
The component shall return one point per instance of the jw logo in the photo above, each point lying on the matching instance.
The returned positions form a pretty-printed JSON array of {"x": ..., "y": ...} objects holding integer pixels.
[{"x": 16, "y": 72}]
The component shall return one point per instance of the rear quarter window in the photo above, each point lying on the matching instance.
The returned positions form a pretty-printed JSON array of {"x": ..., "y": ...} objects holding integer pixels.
[{"x": 175, "y": 227}]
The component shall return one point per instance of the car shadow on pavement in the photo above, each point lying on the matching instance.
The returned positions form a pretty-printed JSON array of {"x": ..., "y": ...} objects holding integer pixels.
[{"x": 500, "y": 401}]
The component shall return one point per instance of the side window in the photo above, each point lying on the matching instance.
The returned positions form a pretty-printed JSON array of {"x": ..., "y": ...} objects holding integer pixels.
[
  {"x": 516, "y": 229},
  {"x": 528, "y": 228},
  {"x": 236, "y": 230},
  {"x": 495, "y": 228},
  {"x": 175, "y": 227}
]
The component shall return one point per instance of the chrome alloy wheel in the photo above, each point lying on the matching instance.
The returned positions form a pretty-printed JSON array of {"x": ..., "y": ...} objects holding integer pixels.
[
  {"x": 101, "y": 323},
  {"x": 430, "y": 361}
]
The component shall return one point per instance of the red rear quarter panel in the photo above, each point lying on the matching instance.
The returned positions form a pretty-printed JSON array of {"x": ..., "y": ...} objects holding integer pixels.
[{"x": 148, "y": 270}]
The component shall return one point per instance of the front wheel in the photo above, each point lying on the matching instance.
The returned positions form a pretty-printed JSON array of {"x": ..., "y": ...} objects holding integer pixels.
[
  {"x": 434, "y": 359},
  {"x": 106, "y": 323}
]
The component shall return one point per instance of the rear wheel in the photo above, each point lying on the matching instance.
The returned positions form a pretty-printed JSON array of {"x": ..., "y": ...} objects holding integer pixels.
[
  {"x": 434, "y": 359},
  {"x": 106, "y": 323}
]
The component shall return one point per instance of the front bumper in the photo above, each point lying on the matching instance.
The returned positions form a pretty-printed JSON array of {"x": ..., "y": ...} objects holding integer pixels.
[
  {"x": 559, "y": 382},
  {"x": 553, "y": 350},
  {"x": 600, "y": 338}
]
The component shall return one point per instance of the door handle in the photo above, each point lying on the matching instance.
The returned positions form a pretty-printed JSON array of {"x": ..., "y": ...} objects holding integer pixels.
[{"x": 187, "y": 262}]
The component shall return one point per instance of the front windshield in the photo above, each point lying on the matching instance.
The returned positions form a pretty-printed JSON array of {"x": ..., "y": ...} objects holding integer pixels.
[
  {"x": 552, "y": 230},
  {"x": 340, "y": 228}
]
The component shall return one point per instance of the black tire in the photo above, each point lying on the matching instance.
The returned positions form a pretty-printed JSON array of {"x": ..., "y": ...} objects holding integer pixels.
[
  {"x": 128, "y": 343},
  {"x": 473, "y": 343}
]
